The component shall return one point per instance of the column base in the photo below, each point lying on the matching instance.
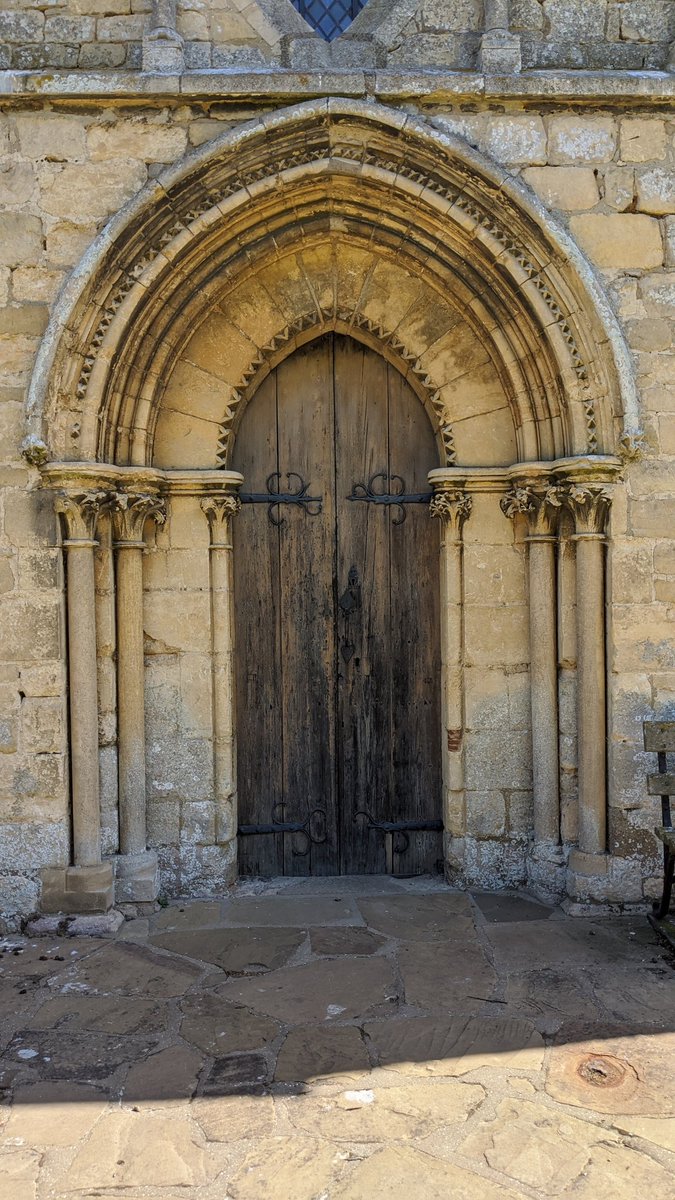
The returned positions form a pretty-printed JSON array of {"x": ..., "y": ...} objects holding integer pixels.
[
  {"x": 77, "y": 889},
  {"x": 136, "y": 877},
  {"x": 597, "y": 882},
  {"x": 500, "y": 53},
  {"x": 546, "y": 873},
  {"x": 163, "y": 51}
]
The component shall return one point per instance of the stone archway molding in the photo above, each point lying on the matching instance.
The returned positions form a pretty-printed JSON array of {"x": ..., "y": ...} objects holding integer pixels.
[{"x": 476, "y": 233}]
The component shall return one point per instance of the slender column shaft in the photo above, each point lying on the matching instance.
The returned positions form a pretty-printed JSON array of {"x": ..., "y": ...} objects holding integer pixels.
[
  {"x": 219, "y": 511},
  {"x": 453, "y": 508},
  {"x": 132, "y": 510},
  {"x": 591, "y": 698},
  {"x": 496, "y": 14},
  {"x": 130, "y": 699},
  {"x": 164, "y": 14},
  {"x": 544, "y": 690}
]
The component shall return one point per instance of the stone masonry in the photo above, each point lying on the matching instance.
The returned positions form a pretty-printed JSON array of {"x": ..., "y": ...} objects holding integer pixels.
[{"x": 554, "y": 190}]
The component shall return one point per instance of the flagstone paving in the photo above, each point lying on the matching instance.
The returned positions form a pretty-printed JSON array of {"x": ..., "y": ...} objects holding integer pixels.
[{"x": 371, "y": 1039}]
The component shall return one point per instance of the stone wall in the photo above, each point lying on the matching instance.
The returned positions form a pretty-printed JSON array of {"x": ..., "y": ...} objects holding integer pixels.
[
  {"x": 606, "y": 173},
  {"x": 228, "y": 34}
]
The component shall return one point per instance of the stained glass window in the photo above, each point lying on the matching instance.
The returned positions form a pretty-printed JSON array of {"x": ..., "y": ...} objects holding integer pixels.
[{"x": 330, "y": 18}]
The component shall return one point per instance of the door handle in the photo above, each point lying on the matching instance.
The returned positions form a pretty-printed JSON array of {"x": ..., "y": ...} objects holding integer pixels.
[{"x": 350, "y": 600}]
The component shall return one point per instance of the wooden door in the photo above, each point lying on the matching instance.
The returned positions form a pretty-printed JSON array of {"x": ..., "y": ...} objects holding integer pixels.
[{"x": 337, "y": 621}]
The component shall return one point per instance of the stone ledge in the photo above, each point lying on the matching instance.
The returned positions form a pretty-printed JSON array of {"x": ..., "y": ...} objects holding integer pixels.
[{"x": 609, "y": 87}]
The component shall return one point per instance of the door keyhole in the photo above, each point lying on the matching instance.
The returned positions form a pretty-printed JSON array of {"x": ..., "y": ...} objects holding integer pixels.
[{"x": 350, "y": 599}]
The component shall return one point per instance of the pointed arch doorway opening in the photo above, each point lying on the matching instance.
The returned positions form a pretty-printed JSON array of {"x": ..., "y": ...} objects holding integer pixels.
[{"x": 337, "y": 621}]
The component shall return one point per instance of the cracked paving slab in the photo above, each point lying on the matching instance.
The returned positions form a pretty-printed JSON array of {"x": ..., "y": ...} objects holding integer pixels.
[{"x": 309, "y": 1039}]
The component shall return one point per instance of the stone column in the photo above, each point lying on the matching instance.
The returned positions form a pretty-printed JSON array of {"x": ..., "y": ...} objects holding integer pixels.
[
  {"x": 590, "y": 508},
  {"x": 87, "y": 885},
  {"x": 452, "y": 507},
  {"x": 162, "y": 44},
  {"x": 540, "y": 505},
  {"x": 219, "y": 511},
  {"x": 499, "y": 48},
  {"x": 136, "y": 868}
]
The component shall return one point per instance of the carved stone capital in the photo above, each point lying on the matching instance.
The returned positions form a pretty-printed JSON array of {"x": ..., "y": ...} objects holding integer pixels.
[
  {"x": 540, "y": 505},
  {"x": 130, "y": 512},
  {"x": 632, "y": 446},
  {"x": 79, "y": 512},
  {"x": 590, "y": 508},
  {"x": 452, "y": 507},
  {"x": 219, "y": 511}
]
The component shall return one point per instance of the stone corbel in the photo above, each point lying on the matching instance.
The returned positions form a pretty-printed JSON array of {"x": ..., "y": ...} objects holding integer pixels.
[{"x": 499, "y": 48}]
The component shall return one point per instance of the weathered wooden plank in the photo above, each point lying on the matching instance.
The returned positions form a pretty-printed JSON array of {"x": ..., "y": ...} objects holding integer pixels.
[
  {"x": 307, "y": 546},
  {"x": 364, "y": 662},
  {"x": 659, "y": 736},
  {"x": 661, "y": 785},
  {"x": 414, "y": 634},
  {"x": 258, "y": 639}
]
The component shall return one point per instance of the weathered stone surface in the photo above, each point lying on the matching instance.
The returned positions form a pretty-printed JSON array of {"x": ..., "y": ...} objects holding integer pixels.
[
  {"x": 619, "y": 240},
  {"x": 129, "y": 1151},
  {"x": 321, "y": 1055},
  {"x": 301, "y": 911},
  {"x": 642, "y": 139},
  {"x": 570, "y": 188},
  {"x": 333, "y": 942},
  {"x": 19, "y": 1170},
  {"x": 129, "y": 970},
  {"x": 235, "y": 1118},
  {"x": 53, "y": 1114},
  {"x": 468, "y": 978},
  {"x": 101, "y": 188},
  {"x": 580, "y": 139},
  {"x": 611, "y": 1073},
  {"x": 100, "y": 1014},
  {"x": 433, "y": 1046},
  {"x": 322, "y": 991},
  {"x": 60, "y": 1055},
  {"x": 197, "y": 915},
  {"x": 399, "y": 1172},
  {"x": 284, "y": 1166},
  {"x": 218, "y": 1028},
  {"x": 248, "y": 1073},
  {"x": 20, "y": 238},
  {"x": 658, "y": 1130},
  {"x": 426, "y": 918},
  {"x": 386, "y": 1114},
  {"x": 169, "y": 1075},
  {"x": 551, "y": 943},
  {"x": 655, "y": 190},
  {"x": 551, "y": 996},
  {"x": 245, "y": 952},
  {"x": 136, "y": 137}
]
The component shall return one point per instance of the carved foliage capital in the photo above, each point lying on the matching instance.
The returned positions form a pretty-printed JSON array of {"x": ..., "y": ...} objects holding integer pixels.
[
  {"x": 540, "y": 505},
  {"x": 80, "y": 512},
  {"x": 130, "y": 512},
  {"x": 219, "y": 511},
  {"x": 589, "y": 506},
  {"x": 453, "y": 508}
]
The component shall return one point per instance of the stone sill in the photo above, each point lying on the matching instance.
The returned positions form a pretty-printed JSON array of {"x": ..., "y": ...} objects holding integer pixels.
[{"x": 605, "y": 87}]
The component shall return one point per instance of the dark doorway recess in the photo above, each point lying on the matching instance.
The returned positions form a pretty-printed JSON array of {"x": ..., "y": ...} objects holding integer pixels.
[{"x": 337, "y": 620}]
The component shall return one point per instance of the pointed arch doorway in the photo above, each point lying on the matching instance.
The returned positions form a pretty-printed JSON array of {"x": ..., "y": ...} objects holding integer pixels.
[{"x": 337, "y": 621}]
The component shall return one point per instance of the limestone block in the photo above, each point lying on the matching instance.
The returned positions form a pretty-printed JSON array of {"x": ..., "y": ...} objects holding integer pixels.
[
  {"x": 485, "y": 814},
  {"x": 163, "y": 822},
  {"x": 657, "y": 293},
  {"x": 33, "y": 845},
  {"x": 643, "y": 638},
  {"x": 498, "y": 760},
  {"x": 196, "y": 717},
  {"x": 21, "y": 319},
  {"x": 69, "y": 29},
  {"x": 207, "y": 870},
  {"x": 42, "y": 726},
  {"x": 569, "y": 188},
  {"x": 179, "y": 620},
  {"x": 47, "y": 135},
  {"x": 198, "y": 823},
  {"x": 18, "y": 27},
  {"x": 651, "y": 334},
  {"x": 66, "y": 242},
  {"x": 666, "y": 434},
  {"x": 17, "y": 180},
  {"x": 664, "y": 590},
  {"x": 20, "y": 893},
  {"x": 496, "y": 635},
  {"x": 656, "y": 190},
  {"x": 486, "y": 699},
  {"x": 131, "y": 1153},
  {"x": 664, "y": 558},
  {"x": 642, "y": 139},
  {"x": 7, "y": 577},
  {"x": 578, "y": 139},
  {"x": 631, "y": 573},
  {"x": 180, "y": 769},
  {"x": 121, "y": 29},
  {"x": 43, "y": 679},
  {"x": 136, "y": 138},
  {"x": 29, "y": 518},
  {"x": 20, "y": 238},
  {"x": 94, "y": 55},
  {"x": 516, "y": 139},
  {"x": 8, "y": 738},
  {"x": 30, "y": 629},
  {"x": 619, "y": 240},
  {"x": 648, "y": 519},
  {"x": 101, "y": 188},
  {"x": 647, "y": 21},
  {"x": 493, "y": 574},
  {"x": 35, "y": 284}
]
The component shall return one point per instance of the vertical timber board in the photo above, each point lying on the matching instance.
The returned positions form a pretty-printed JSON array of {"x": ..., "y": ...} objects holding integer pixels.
[
  {"x": 363, "y": 661},
  {"x": 307, "y": 548},
  {"x": 414, "y": 634},
  {"x": 258, "y": 639}
]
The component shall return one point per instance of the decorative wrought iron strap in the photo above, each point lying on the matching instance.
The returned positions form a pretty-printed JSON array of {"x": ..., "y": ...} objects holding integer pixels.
[
  {"x": 399, "y": 829},
  {"x": 396, "y": 495},
  {"x": 274, "y": 497},
  {"x": 307, "y": 828}
]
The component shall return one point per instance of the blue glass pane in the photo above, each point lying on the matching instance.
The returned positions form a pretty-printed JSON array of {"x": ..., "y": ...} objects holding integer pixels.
[{"x": 330, "y": 18}]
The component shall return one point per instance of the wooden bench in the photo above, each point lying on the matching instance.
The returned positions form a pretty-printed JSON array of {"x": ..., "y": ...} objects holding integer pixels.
[{"x": 659, "y": 737}]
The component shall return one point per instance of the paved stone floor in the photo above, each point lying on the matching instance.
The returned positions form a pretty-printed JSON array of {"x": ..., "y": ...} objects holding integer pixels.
[{"x": 354, "y": 1039}]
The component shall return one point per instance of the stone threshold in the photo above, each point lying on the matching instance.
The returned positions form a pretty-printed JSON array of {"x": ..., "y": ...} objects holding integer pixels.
[{"x": 591, "y": 87}]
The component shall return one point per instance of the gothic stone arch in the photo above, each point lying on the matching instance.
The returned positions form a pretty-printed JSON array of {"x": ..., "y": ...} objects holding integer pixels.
[{"x": 354, "y": 217}]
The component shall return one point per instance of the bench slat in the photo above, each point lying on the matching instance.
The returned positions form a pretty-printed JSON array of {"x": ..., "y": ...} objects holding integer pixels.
[
  {"x": 659, "y": 736},
  {"x": 661, "y": 785}
]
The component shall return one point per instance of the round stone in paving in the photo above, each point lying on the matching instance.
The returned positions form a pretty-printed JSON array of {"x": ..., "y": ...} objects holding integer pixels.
[
  {"x": 414, "y": 1110},
  {"x": 328, "y": 990},
  {"x": 317, "y": 1054},
  {"x": 236, "y": 951},
  {"x": 219, "y": 1028},
  {"x": 630, "y": 1074},
  {"x": 431, "y": 918},
  {"x": 402, "y": 1172}
]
